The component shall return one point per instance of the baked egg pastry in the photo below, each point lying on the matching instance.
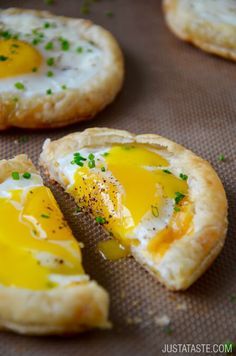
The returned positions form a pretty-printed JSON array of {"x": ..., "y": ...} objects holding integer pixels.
[
  {"x": 43, "y": 287},
  {"x": 159, "y": 201},
  {"x": 54, "y": 71},
  {"x": 208, "y": 24}
]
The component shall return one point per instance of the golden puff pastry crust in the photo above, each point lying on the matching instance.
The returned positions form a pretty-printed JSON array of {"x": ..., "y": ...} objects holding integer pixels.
[
  {"x": 210, "y": 25},
  {"x": 74, "y": 104},
  {"x": 188, "y": 257},
  {"x": 67, "y": 309}
]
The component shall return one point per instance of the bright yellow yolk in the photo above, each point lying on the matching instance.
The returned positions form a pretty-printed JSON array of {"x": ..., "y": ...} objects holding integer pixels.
[
  {"x": 139, "y": 185},
  {"x": 17, "y": 57},
  {"x": 32, "y": 231}
]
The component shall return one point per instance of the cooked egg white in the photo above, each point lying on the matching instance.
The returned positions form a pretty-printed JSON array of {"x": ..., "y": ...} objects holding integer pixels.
[
  {"x": 133, "y": 191},
  {"x": 45, "y": 56},
  {"x": 37, "y": 248}
]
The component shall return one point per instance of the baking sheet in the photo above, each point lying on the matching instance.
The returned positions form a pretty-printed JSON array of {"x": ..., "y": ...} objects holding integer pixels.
[{"x": 175, "y": 90}]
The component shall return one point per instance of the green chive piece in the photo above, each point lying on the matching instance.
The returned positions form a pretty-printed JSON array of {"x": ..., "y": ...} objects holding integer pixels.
[
  {"x": 15, "y": 175},
  {"x": 48, "y": 46},
  {"x": 50, "y": 74},
  {"x": 91, "y": 164},
  {"x": 105, "y": 154},
  {"x": 100, "y": 220},
  {"x": 26, "y": 175},
  {"x": 183, "y": 176},
  {"x": 221, "y": 158},
  {"x": 49, "y": 92},
  {"x": 176, "y": 209},
  {"x": 45, "y": 216},
  {"x": 178, "y": 197},
  {"x": 47, "y": 25},
  {"x": 65, "y": 45},
  {"x": 34, "y": 69},
  {"x": 168, "y": 330},
  {"x": 103, "y": 169},
  {"x": 155, "y": 211},
  {"x": 49, "y": 2},
  {"x": 79, "y": 49},
  {"x": 50, "y": 61},
  {"x": 167, "y": 171},
  {"x": 19, "y": 86},
  {"x": 3, "y": 58},
  {"x": 109, "y": 14},
  {"x": 91, "y": 156},
  {"x": 64, "y": 87}
]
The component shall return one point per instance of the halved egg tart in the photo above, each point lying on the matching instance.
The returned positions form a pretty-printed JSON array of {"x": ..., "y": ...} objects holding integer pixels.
[
  {"x": 157, "y": 199},
  {"x": 43, "y": 287}
]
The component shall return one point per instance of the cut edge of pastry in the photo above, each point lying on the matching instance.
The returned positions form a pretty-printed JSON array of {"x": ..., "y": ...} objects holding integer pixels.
[
  {"x": 188, "y": 258},
  {"x": 178, "y": 21},
  {"x": 60, "y": 310}
]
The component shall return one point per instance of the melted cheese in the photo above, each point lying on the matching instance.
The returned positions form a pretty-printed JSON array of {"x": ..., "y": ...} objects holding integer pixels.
[
  {"x": 36, "y": 244},
  {"x": 131, "y": 191}
]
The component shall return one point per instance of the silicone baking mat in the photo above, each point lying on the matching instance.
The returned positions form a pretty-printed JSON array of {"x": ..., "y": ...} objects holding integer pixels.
[{"x": 173, "y": 89}]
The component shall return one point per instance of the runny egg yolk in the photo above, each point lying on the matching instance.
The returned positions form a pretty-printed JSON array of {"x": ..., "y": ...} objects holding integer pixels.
[
  {"x": 17, "y": 57},
  {"x": 35, "y": 241},
  {"x": 135, "y": 183}
]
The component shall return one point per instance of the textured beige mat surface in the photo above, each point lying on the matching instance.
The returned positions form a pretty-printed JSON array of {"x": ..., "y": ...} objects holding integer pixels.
[{"x": 180, "y": 92}]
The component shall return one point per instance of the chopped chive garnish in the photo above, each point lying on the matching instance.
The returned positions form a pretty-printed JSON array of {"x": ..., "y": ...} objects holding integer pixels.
[
  {"x": 167, "y": 171},
  {"x": 91, "y": 164},
  {"x": 103, "y": 169},
  {"x": 36, "y": 41},
  {"x": 64, "y": 87},
  {"x": 15, "y": 175},
  {"x": 45, "y": 216},
  {"x": 79, "y": 49},
  {"x": 19, "y": 86},
  {"x": 49, "y": 2},
  {"x": 34, "y": 69},
  {"x": 65, "y": 45},
  {"x": 100, "y": 220},
  {"x": 221, "y": 158},
  {"x": 47, "y": 25},
  {"x": 48, "y": 46},
  {"x": 168, "y": 330},
  {"x": 176, "y": 209},
  {"x": 78, "y": 159},
  {"x": 85, "y": 10},
  {"x": 233, "y": 298},
  {"x": 91, "y": 156},
  {"x": 50, "y": 61},
  {"x": 78, "y": 209},
  {"x": 26, "y": 175},
  {"x": 109, "y": 14},
  {"x": 49, "y": 92},
  {"x": 3, "y": 58},
  {"x": 105, "y": 154},
  {"x": 50, "y": 73},
  {"x": 155, "y": 211},
  {"x": 183, "y": 176},
  {"x": 23, "y": 139},
  {"x": 178, "y": 197}
]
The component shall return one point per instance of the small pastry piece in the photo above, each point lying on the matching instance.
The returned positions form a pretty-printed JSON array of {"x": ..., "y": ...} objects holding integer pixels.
[
  {"x": 43, "y": 287},
  {"x": 208, "y": 24},
  {"x": 153, "y": 195},
  {"x": 55, "y": 71}
]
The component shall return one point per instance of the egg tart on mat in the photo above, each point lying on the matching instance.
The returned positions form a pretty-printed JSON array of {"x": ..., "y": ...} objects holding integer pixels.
[
  {"x": 158, "y": 199},
  {"x": 43, "y": 287},
  {"x": 208, "y": 24},
  {"x": 54, "y": 70}
]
